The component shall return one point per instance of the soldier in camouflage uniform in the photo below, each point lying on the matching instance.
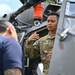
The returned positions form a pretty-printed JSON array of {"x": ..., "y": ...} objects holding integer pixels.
[{"x": 43, "y": 46}]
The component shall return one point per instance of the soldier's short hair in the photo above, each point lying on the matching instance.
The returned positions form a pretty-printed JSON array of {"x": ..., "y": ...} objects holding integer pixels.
[{"x": 53, "y": 13}]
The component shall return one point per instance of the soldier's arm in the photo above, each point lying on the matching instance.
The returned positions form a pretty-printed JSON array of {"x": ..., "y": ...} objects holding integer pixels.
[
  {"x": 13, "y": 71},
  {"x": 33, "y": 37},
  {"x": 32, "y": 49},
  {"x": 29, "y": 42}
]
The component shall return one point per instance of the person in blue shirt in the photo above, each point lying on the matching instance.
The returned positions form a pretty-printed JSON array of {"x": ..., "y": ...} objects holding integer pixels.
[{"x": 10, "y": 50}]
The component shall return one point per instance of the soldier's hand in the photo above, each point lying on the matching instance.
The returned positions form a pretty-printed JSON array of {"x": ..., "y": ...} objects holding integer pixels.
[{"x": 33, "y": 37}]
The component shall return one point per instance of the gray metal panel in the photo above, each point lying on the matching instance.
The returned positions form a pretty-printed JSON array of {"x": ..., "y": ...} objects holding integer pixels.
[{"x": 63, "y": 57}]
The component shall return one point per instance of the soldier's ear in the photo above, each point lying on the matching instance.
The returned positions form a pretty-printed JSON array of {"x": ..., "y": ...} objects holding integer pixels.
[{"x": 10, "y": 30}]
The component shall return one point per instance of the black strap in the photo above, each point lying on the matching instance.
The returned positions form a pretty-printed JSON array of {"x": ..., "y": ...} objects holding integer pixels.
[{"x": 23, "y": 1}]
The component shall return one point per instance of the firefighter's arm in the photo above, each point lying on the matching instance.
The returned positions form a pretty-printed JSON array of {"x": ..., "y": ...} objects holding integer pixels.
[{"x": 13, "y": 71}]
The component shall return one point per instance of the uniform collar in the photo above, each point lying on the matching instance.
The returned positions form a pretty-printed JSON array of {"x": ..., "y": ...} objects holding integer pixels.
[{"x": 49, "y": 37}]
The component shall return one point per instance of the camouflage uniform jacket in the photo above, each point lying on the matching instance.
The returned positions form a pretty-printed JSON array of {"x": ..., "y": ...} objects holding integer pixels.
[{"x": 42, "y": 47}]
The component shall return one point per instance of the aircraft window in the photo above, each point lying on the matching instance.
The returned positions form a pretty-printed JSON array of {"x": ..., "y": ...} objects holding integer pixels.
[
  {"x": 70, "y": 10},
  {"x": 72, "y": 30},
  {"x": 69, "y": 21},
  {"x": 66, "y": 23}
]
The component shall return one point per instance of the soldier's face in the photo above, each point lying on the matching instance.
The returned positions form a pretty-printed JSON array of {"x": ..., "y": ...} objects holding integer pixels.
[{"x": 52, "y": 22}]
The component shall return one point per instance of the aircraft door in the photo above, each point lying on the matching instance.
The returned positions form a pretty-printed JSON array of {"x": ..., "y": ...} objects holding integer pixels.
[{"x": 63, "y": 56}]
